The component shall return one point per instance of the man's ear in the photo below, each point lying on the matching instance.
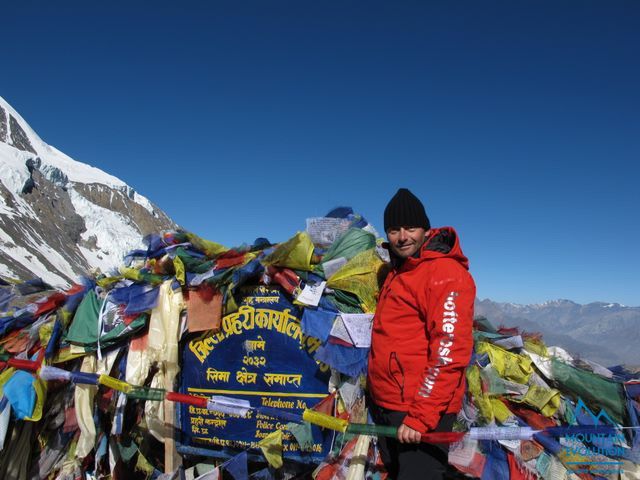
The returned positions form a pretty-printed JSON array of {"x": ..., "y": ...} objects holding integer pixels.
[{"x": 426, "y": 237}]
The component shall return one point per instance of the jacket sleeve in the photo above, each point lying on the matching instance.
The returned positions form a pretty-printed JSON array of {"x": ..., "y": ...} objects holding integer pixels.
[{"x": 448, "y": 300}]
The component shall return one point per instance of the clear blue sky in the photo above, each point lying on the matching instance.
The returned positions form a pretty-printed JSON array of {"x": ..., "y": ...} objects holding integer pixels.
[{"x": 516, "y": 122}]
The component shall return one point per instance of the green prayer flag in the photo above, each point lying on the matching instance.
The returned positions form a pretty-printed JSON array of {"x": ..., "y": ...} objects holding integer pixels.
[{"x": 84, "y": 326}]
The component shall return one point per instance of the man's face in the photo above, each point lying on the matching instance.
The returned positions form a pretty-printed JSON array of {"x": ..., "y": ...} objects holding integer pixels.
[{"x": 406, "y": 241}]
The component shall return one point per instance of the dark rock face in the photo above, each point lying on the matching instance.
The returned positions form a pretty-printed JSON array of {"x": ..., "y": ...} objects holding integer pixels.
[
  {"x": 19, "y": 138},
  {"x": 3, "y": 125},
  {"x": 30, "y": 183},
  {"x": 54, "y": 174},
  {"x": 56, "y": 224},
  {"x": 52, "y": 202}
]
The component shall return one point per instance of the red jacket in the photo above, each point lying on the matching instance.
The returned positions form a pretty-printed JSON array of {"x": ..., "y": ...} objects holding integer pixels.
[{"x": 422, "y": 336}]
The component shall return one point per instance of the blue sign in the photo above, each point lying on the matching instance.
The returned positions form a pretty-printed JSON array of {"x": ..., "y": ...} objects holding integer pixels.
[{"x": 261, "y": 355}]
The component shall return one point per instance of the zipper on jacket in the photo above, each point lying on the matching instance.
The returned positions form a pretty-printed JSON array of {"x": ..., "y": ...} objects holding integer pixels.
[
  {"x": 386, "y": 289},
  {"x": 393, "y": 358}
]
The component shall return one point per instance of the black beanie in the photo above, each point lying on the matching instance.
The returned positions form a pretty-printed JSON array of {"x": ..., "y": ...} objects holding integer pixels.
[{"x": 405, "y": 210}]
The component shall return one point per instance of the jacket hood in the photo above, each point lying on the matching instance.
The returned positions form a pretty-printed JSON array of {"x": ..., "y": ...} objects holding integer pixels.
[{"x": 442, "y": 242}]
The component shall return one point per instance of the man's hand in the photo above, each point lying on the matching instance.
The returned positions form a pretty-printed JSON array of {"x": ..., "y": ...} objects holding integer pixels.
[{"x": 408, "y": 435}]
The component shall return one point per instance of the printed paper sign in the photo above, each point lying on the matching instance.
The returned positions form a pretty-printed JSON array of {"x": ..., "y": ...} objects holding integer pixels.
[
  {"x": 311, "y": 294},
  {"x": 340, "y": 331},
  {"x": 359, "y": 327},
  {"x": 325, "y": 230}
]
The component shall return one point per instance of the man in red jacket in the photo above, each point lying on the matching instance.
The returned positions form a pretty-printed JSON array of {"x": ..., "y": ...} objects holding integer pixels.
[{"x": 422, "y": 339}]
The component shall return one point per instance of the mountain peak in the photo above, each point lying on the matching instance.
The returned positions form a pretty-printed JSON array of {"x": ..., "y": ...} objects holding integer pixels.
[
  {"x": 560, "y": 302},
  {"x": 60, "y": 218},
  {"x": 605, "y": 332}
]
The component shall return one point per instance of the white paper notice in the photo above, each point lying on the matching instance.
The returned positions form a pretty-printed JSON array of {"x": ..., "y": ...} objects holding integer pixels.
[
  {"x": 324, "y": 230},
  {"x": 339, "y": 331},
  {"x": 310, "y": 294},
  {"x": 359, "y": 327}
]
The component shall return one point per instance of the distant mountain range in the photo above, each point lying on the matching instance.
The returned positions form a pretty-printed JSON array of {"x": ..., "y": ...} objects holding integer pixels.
[
  {"x": 606, "y": 333},
  {"x": 60, "y": 218}
]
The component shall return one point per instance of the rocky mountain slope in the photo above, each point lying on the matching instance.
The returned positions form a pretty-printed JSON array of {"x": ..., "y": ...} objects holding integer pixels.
[
  {"x": 607, "y": 333},
  {"x": 60, "y": 218}
]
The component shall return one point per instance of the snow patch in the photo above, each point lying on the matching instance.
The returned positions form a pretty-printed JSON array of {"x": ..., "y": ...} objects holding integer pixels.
[
  {"x": 13, "y": 175},
  {"x": 115, "y": 236},
  {"x": 76, "y": 171},
  {"x": 30, "y": 262},
  {"x": 144, "y": 202},
  {"x": 6, "y": 272},
  {"x": 99, "y": 260},
  {"x": 13, "y": 168},
  {"x": 57, "y": 260}
]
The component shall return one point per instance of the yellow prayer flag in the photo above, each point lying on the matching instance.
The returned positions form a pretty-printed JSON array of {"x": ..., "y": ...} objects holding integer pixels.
[
  {"x": 40, "y": 388},
  {"x": 69, "y": 353},
  {"x": 326, "y": 421},
  {"x": 500, "y": 410},
  {"x": 108, "y": 281},
  {"x": 511, "y": 366},
  {"x": 474, "y": 382},
  {"x": 547, "y": 401},
  {"x": 114, "y": 383},
  {"x": 5, "y": 376},
  {"x": 295, "y": 253},
  {"x": 211, "y": 249},
  {"x": 537, "y": 347},
  {"x": 360, "y": 276},
  {"x": 143, "y": 465},
  {"x": 130, "y": 273},
  {"x": 271, "y": 447},
  {"x": 180, "y": 274}
]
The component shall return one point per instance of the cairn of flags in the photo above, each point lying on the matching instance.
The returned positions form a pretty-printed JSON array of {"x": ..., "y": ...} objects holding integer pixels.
[{"x": 90, "y": 379}]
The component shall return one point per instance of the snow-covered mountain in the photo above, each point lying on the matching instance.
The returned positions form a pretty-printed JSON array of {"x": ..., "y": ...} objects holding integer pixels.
[
  {"x": 60, "y": 218},
  {"x": 607, "y": 333}
]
